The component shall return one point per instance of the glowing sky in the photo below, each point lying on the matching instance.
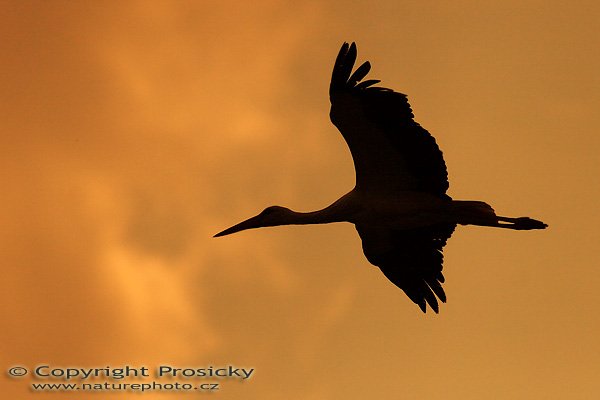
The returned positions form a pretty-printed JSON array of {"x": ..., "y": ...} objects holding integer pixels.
[{"x": 134, "y": 131}]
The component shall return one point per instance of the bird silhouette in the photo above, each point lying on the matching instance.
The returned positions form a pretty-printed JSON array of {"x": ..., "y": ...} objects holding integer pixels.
[{"x": 399, "y": 204}]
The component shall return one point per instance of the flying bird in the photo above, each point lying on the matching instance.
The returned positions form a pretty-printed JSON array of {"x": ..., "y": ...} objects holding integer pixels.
[{"x": 399, "y": 204}]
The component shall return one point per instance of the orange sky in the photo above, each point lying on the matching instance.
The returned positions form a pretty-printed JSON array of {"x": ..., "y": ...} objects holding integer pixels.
[{"x": 134, "y": 131}]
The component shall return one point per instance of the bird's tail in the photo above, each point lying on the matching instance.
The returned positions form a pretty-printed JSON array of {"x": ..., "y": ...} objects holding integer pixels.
[{"x": 482, "y": 214}]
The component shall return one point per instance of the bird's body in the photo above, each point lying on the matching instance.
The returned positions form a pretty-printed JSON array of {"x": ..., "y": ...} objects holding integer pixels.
[{"x": 399, "y": 205}]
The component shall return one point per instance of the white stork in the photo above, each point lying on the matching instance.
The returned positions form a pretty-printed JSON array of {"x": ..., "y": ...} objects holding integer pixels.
[{"x": 399, "y": 204}]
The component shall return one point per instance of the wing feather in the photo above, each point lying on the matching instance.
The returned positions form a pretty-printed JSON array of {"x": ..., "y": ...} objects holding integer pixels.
[
  {"x": 390, "y": 150},
  {"x": 366, "y": 84},
  {"x": 360, "y": 73},
  {"x": 411, "y": 259}
]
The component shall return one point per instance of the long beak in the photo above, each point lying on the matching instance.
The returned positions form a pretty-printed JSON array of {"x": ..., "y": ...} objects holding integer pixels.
[{"x": 250, "y": 223}]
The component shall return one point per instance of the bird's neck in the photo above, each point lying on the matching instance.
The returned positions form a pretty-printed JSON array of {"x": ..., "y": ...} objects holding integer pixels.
[
  {"x": 324, "y": 216},
  {"x": 340, "y": 211}
]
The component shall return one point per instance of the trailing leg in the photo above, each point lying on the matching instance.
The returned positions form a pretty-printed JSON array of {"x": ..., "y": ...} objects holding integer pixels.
[
  {"x": 482, "y": 214},
  {"x": 521, "y": 223}
]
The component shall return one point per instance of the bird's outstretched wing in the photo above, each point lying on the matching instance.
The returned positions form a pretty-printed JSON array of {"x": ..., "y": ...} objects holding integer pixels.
[
  {"x": 411, "y": 259},
  {"x": 391, "y": 152}
]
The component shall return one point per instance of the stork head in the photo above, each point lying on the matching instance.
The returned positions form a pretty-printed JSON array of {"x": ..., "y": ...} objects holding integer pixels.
[{"x": 271, "y": 216}]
